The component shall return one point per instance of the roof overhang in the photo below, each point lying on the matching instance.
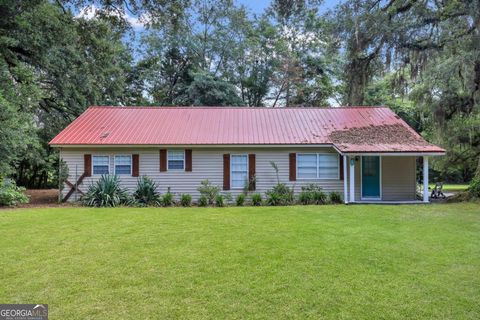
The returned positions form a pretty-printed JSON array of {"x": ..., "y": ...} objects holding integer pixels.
[
  {"x": 222, "y": 146},
  {"x": 386, "y": 153},
  {"x": 323, "y": 145}
]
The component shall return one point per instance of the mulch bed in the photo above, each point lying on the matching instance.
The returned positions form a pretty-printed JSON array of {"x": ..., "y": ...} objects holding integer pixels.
[{"x": 42, "y": 198}]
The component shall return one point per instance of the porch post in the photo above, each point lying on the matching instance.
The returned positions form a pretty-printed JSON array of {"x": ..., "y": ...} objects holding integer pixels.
[
  {"x": 352, "y": 179},
  {"x": 345, "y": 198},
  {"x": 425, "y": 179}
]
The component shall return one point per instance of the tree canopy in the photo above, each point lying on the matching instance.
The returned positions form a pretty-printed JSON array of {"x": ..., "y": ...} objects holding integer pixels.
[{"x": 421, "y": 58}]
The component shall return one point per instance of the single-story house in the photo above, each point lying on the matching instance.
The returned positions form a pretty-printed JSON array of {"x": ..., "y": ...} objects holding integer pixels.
[{"x": 368, "y": 154}]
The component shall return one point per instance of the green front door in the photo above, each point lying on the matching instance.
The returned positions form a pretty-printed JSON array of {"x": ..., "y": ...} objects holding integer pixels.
[{"x": 371, "y": 177}]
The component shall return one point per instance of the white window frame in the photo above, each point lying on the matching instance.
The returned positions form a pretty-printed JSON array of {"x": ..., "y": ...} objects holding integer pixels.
[
  {"x": 318, "y": 154},
  {"x": 168, "y": 163},
  {"x": 115, "y": 163},
  {"x": 231, "y": 170},
  {"x": 93, "y": 164}
]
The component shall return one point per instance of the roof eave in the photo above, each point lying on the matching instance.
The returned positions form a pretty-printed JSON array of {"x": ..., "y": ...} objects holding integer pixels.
[
  {"x": 302, "y": 145},
  {"x": 394, "y": 153}
]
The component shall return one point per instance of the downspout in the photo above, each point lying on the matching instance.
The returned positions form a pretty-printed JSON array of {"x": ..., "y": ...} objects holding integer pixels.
[
  {"x": 345, "y": 197},
  {"x": 60, "y": 175}
]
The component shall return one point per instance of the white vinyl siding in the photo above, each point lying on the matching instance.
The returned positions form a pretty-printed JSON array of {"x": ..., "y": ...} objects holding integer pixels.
[
  {"x": 317, "y": 166},
  {"x": 123, "y": 165},
  {"x": 101, "y": 165},
  {"x": 239, "y": 170},
  {"x": 398, "y": 178},
  {"x": 207, "y": 164},
  {"x": 176, "y": 160}
]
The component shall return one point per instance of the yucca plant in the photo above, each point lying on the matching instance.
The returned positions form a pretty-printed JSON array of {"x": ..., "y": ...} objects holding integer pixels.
[
  {"x": 185, "y": 200},
  {"x": 106, "y": 192},
  {"x": 146, "y": 193},
  {"x": 280, "y": 195}
]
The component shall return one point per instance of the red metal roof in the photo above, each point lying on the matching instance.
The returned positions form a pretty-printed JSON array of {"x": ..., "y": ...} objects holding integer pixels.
[{"x": 245, "y": 126}]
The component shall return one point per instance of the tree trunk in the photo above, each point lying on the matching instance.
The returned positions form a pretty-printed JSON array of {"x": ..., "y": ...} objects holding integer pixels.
[
  {"x": 357, "y": 82},
  {"x": 477, "y": 173}
]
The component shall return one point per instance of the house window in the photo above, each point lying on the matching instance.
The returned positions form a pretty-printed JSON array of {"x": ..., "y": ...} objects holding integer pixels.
[
  {"x": 328, "y": 166},
  {"x": 176, "y": 160},
  {"x": 239, "y": 170},
  {"x": 123, "y": 164},
  {"x": 318, "y": 166},
  {"x": 100, "y": 164},
  {"x": 307, "y": 166}
]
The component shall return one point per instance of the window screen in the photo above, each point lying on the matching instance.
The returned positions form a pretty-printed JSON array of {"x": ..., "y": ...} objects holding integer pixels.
[
  {"x": 123, "y": 165},
  {"x": 239, "y": 170},
  {"x": 176, "y": 160},
  {"x": 100, "y": 164}
]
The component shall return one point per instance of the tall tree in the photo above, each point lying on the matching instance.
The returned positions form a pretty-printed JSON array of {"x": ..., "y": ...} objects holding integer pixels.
[
  {"x": 53, "y": 66},
  {"x": 201, "y": 40},
  {"x": 431, "y": 49},
  {"x": 302, "y": 76}
]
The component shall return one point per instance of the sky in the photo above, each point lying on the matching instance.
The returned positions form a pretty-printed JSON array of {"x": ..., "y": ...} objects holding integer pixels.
[
  {"x": 255, "y": 6},
  {"x": 258, "y": 6}
]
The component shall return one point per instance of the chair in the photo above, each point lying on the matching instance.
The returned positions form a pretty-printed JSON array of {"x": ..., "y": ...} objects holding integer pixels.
[{"x": 437, "y": 192}]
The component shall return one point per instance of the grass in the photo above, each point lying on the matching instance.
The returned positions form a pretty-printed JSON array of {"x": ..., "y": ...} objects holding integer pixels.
[
  {"x": 330, "y": 262},
  {"x": 450, "y": 187}
]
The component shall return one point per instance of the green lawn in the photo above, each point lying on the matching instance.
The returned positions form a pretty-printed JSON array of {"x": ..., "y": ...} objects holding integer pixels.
[{"x": 331, "y": 262}]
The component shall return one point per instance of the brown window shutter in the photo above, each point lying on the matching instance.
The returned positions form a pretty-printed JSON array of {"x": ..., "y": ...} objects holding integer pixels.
[
  {"x": 226, "y": 171},
  {"x": 135, "y": 165},
  {"x": 163, "y": 159},
  {"x": 87, "y": 161},
  {"x": 188, "y": 160},
  {"x": 293, "y": 166},
  {"x": 251, "y": 172},
  {"x": 340, "y": 165}
]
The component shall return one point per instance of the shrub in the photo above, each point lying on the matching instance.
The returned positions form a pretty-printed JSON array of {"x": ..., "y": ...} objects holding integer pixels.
[
  {"x": 280, "y": 195},
  {"x": 208, "y": 190},
  {"x": 167, "y": 199},
  {"x": 106, "y": 192},
  {"x": 312, "y": 194},
  {"x": 273, "y": 199},
  {"x": 335, "y": 197},
  {"x": 305, "y": 198},
  {"x": 146, "y": 193},
  {"x": 257, "y": 199},
  {"x": 474, "y": 188},
  {"x": 320, "y": 197},
  {"x": 203, "y": 201},
  {"x": 220, "y": 200},
  {"x": 10, "y": 194},
  {"x": 185, "y": 200},
  {"x": 240, "y": 200}
]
